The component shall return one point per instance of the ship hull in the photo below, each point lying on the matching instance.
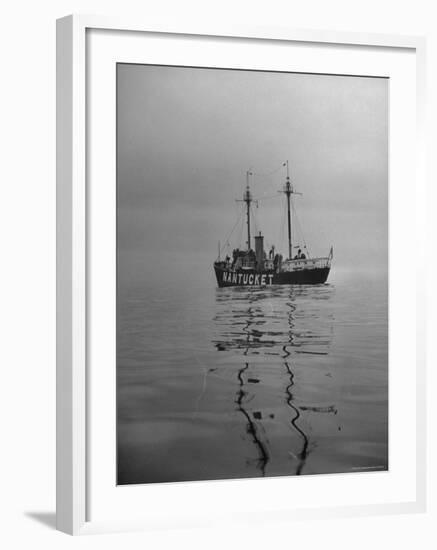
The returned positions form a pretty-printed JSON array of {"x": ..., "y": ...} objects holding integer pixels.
[{"x": 226, "y": 277}]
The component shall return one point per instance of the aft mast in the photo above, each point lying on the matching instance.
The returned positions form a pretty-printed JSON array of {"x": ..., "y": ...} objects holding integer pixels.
[
  {"x": 247, "y": 198},
  {"x": 288, "y": 190}
]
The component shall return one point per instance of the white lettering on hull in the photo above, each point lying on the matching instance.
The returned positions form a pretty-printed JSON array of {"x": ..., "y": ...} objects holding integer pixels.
[{"x": 245, "y": 279}]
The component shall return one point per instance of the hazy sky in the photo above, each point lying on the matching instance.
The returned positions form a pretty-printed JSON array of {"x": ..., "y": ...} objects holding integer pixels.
[{"x": 186, "y": 137}]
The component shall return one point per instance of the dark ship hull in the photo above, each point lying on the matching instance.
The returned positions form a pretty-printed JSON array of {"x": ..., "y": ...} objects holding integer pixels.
[{"x": 244, "y": 277}]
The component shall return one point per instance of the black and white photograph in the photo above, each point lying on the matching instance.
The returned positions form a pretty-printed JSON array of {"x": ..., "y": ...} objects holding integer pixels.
[
  {"x": 218, "y": 273},
  {"x": 252, "y": 274}
]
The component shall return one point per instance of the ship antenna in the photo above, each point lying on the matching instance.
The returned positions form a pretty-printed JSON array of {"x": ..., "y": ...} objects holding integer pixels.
[
  {"x": 288, "y": 190},
  {"x": 247, "y": 198}
]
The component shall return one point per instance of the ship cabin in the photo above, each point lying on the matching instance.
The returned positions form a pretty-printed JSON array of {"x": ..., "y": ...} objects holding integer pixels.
[{"x": 256, "y": 260}]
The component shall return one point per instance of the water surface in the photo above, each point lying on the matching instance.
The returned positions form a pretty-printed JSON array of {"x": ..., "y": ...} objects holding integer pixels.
[{"x": 248, "y": 382}]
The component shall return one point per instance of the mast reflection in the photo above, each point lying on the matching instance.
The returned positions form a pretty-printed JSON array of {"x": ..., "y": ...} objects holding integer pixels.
[{"x": 264, "y": 329}]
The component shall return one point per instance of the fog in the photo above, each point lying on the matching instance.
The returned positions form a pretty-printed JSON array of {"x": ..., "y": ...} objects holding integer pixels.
[{"x": 187, "y": 136}]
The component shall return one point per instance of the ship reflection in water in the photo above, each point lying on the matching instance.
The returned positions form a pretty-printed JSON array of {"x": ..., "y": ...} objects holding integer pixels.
[
  {"x": 252, "y": 382},
  {"x": 269, "y": 329}
]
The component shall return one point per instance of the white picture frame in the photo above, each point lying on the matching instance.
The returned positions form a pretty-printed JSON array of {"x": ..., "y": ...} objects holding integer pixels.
[{"x": 73, "y": 291}]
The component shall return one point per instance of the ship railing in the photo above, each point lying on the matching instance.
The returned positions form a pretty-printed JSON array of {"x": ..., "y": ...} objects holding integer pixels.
[{"x": 307, "y": 263}]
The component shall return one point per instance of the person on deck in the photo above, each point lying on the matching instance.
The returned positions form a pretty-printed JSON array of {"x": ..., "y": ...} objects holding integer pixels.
[{"x": 300, "y": 255}]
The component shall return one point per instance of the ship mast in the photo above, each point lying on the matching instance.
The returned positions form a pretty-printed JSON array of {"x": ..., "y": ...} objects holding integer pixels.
[
  {"x": 288, "y": 193},
  {"x": 247, "y": 198},
  {"x": 288, "y": 190}
]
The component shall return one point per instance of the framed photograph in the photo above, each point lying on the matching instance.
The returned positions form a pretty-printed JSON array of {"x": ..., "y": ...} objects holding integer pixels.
[{"x": 239, "y": 256}]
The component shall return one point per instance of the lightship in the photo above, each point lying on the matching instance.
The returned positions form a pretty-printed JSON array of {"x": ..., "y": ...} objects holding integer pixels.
[{"x": 253, "y": 267}]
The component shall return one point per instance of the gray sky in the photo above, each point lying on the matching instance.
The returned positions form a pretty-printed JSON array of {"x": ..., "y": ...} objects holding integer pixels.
[{"x": 187, "y": 136}]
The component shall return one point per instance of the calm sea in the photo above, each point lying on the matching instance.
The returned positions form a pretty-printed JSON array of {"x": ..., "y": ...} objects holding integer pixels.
[{"x": 245, "y": 382}]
